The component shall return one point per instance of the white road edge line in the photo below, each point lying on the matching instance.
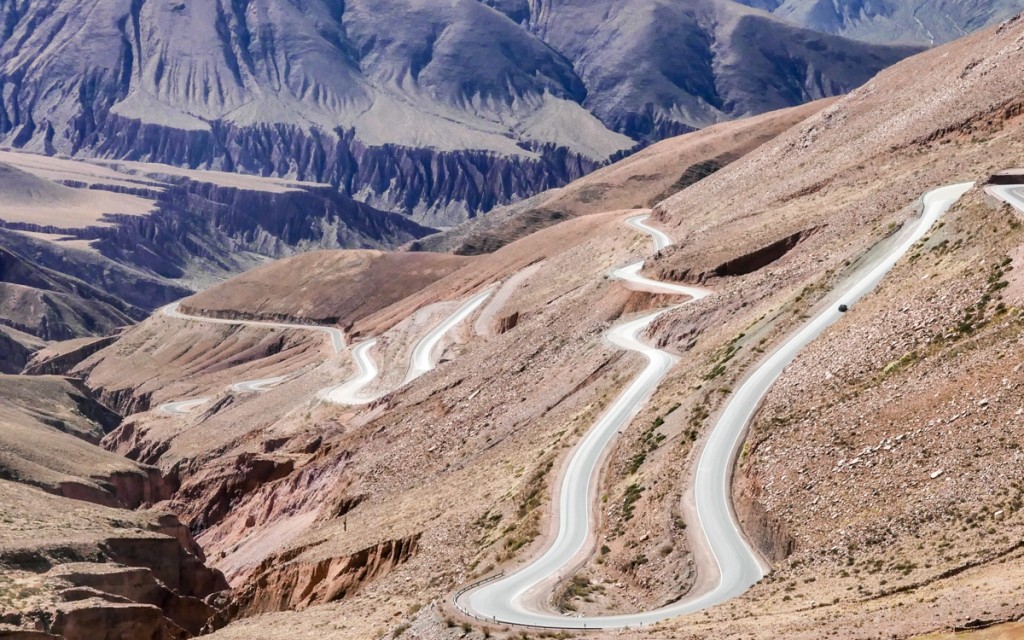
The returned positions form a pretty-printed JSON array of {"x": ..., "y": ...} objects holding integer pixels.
[
  {"x": 423, "y": 360},
  {"x": 350, "y": 392},
  {"x": 336, "y": 335},
  {"x": 1012, "y": 194},
  {"x": 501, "y": 600}
]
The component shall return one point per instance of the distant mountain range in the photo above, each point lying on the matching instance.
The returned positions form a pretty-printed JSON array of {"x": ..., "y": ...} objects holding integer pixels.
[
  {"x": 926, "y": 22},
  {"x": 440, "y": 109}
]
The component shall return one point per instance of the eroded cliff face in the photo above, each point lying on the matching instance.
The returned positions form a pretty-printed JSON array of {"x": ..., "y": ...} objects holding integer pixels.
[
  {"x": 436, "y": 187},
  {"x": 204, "y": 228},
  {"x": 102, "y": 573},
  {"x": 62, "y": 281},
  {"x": 284, "y": 583}
]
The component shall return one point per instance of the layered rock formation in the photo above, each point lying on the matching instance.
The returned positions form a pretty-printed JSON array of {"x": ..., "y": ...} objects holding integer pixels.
[
  {"x": 101, "y": 574},
  {"x": 437, "y": 109},
  {"x": 75, "y": 562}
]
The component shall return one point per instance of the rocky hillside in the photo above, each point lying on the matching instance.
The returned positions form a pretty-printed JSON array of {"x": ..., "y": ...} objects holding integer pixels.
[
  {"x": 103, "y": 573},
  {"x": 50, "y": 427},
  {"x": 83, "y": 555},
  {"x": 875, "y": 479},
  {"x": 881, "y": 479},
  {"x": 437, "y": 109},
  {"x": 643, "y": 179},
  {"x": 927, "y": 22}
]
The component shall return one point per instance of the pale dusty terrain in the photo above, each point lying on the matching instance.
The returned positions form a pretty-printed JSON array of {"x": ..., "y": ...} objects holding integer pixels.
[
  {"x": 881, "y": 479},
  {"x": 28, "y": 198}
]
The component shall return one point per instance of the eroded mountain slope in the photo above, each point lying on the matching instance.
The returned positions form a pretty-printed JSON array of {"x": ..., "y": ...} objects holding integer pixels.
[
  {"x": 86, "y": 248},
  {"x": 362, "y": 520},
  {"x": 640, "y": 180},
  {"x": 437, "y": 109}
]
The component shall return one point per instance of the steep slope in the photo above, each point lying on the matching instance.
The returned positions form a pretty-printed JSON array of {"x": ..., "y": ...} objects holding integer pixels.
[
  {"x": 655, "y": 68},
  {"x": 874, "y": 474},
  {"x": 49, "y": 429},
  {"x": 52, "y": 306},
  {"x": 77, "y": 571},
  {"x": 642, "y": 179},
  {"x": 437, "y": 109},
  {"x": 926, "y": 22},
  {"x": 447, "y": 481}
]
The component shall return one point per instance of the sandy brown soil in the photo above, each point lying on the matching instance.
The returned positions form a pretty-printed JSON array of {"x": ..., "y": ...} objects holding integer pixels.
[{"x": 326, "y": 287}]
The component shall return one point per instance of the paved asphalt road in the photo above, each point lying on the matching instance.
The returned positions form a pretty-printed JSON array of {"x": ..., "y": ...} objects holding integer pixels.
[
  {"x": 184, "y": 407},
  {"x": 181, "y": 407},
  {"x": 423, "y": 355},
  {"x": 336, "y": 335},
  {"x": 257, "y": 386},
  {"x": 506, "y": 599},
  {"x": 351, "y": 392},
  {"x": 1012, "y": 194}
]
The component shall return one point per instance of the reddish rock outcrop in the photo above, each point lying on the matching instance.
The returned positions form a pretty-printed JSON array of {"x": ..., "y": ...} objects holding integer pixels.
[
  {"x": 51, "y": 361},
  {"x": 137, "y": 585},
  {"x": 215, "y": 492},
  {"x": 281, "y": 583},
  {"x": 506, "y": 323},
  {"x": 98, "y": 619},
  {"x": 767, "y": 532}
]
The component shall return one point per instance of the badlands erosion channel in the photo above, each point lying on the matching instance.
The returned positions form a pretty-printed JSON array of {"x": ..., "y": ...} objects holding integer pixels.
[{"x": 499, "y": 319}]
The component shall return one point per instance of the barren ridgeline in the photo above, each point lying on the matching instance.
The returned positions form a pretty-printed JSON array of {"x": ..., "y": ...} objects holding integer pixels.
[{"x": 365, "y": 449}]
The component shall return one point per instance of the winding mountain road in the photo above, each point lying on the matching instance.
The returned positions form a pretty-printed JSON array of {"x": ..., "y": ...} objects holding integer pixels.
[
  {"x": 423, "y": 355},
  {"x": 508, "y": 599},
  {"x": 257, "y": 386},
  {"x": 1012, "y": 194},
  {"x": 336, "y": 335},
  {"x": 423, "y": 361},
  {"x": 351, "y": 391},
  {"x": 184, "y": 407},
  {"x": 512, "y": 599}
]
